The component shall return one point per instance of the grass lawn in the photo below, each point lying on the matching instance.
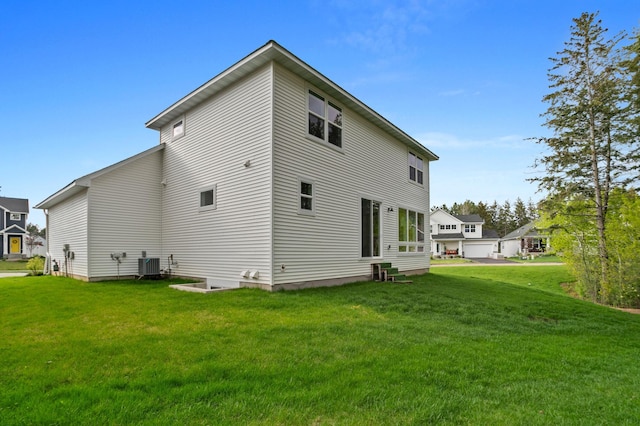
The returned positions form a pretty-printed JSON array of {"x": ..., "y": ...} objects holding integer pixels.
[
  {"x": 473, "y": 345},
  {"x": 18, "y": 265}
]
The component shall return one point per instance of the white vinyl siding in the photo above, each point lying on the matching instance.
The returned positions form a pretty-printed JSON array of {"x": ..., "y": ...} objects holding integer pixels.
[
  {"x": 67, "y": 224},
  {"x": 228, "y": 143},
  {"x": 124, "y": 216},
  {"x": 328, "y": 245}
]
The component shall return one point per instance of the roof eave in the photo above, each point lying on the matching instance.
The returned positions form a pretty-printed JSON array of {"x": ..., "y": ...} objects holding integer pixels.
[
  {"x": 68, "y": 191},
  {"x": 85, "y": 181},
  {"x": 272, "y": 51}
]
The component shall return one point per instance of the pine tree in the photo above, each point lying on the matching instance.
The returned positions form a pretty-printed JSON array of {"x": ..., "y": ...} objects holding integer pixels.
[{"x": 589, "y": 118}]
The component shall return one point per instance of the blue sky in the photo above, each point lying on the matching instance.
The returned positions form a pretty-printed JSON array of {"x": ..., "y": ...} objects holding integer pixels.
[{"x": 464, "y": 77}]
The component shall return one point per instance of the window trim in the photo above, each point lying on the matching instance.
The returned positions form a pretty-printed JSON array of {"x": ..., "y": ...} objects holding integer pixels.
[
  {"x": 328, "y": 101},
  {"x": 173, "y": 127},
  {"x": 418, "y": 171},
  {"x": 12, "y": 216},
  {"x": 372, "y": 200},
  {"x": 212, "y": 206},
  {"x": 419, "y": 247},
  {"x": 469, "y": 228},
  {"x": 312, "y": 197}
]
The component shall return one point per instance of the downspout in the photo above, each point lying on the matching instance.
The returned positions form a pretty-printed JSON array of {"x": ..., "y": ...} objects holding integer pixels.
[{"x": 47, "y": 259}]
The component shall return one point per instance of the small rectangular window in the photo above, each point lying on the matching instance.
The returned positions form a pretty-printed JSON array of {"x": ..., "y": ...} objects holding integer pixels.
[
  {"x": 208, "y": 198},
  {"x": 306, "y": 196},
  {"x": 177, "y": 130},
  {"x": 15, "y": 216}
]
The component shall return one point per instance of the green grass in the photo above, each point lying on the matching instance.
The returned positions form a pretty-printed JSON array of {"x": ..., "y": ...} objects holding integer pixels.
[
  {"x": 18, "y": 265},
  {"x": 474, "y": 345}
]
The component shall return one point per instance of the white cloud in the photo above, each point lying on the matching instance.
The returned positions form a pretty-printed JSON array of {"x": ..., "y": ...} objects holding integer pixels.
[
  {"x": 450, "y": 141},
  {"x": 383, "y": 27},
  {"x": 454, "y": 92}
]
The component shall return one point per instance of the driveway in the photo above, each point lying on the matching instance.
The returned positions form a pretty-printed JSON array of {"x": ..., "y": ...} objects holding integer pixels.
[{"x": 491, "y": 261}]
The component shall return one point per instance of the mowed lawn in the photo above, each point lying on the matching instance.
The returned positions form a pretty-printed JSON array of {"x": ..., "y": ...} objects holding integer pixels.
[{"x": 469, "y": 345}]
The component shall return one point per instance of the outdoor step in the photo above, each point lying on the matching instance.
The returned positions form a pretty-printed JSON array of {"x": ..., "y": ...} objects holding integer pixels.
[
  {"x": 385, "y": 265},
  {"x": 403, "y": 282},
  {"x": 391, "y": 271},
  {"x": 397, "y": 277}
]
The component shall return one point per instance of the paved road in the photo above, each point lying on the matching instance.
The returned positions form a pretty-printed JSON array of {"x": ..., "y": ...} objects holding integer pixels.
[{"x": 491, "y": 261}]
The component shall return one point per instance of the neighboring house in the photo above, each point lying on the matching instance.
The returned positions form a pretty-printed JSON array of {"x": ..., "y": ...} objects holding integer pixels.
[
  {"x": 523, "y": 241},
  {"x": 461, "y": 235},
  {"x": 13, "y": 226},
  {"x": 269, "y": 175}
]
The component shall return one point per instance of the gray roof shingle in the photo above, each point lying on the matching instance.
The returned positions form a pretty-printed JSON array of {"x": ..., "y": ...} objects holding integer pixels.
[{"x": 15, "y": 205}]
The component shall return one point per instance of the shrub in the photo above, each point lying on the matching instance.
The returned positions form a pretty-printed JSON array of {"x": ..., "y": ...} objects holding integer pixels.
[{"x": 36, "y": 265}]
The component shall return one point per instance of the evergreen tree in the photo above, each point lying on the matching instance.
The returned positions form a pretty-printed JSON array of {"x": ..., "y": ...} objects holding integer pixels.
[{"x": 589, "y": 120}]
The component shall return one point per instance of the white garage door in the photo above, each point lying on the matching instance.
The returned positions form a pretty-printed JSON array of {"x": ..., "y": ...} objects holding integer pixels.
[{"x": 478, "y": 250}]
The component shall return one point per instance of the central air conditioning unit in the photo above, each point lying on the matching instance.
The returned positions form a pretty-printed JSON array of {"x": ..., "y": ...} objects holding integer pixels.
[{"x": 148, "y": 266}]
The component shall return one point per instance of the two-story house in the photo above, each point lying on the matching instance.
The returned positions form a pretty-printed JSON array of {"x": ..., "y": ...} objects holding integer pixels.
[
  {"x": 13, "y": 226},
  {"x": 269, "y": 175},
  {"x": 461, "y": 235}
]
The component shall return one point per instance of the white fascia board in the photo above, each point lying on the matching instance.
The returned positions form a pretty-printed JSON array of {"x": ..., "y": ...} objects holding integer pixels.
[
  {"x": 84, "y": 182},
  {"x": 272, "y": 51}
]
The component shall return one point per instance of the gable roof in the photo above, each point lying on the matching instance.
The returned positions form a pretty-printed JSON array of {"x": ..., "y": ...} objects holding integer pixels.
[
  {"x": 469, "y": 218},
  {"x": 525, "y": 230},
  {"x": 84, "y": 182},
  {"x": 14, "y": 229},
  {"x": 464, "y": 218},
  {"x": 490, "y": 233},
  {"x": 272, "y": 51},
  {"x": 444, "y": 212},
  {"x": 14, "y": 205}
]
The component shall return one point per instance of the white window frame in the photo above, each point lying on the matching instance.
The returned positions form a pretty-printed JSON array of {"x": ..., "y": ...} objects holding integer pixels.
[
  {"x": 183, "y": 125},
  {"x": 469, "y": 228},
  {"x": 417, "y": 247},
  {"x": 301, "y": 195},
  {"x": 214, "y": 205},
  {"x": 15, "y": 216},
  {"x": 418, "y": 172},
  {"x": 327, "y": 102}
]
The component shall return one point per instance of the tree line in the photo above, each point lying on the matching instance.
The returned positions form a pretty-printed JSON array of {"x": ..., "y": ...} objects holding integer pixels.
[{"x": 503, "y": 218}]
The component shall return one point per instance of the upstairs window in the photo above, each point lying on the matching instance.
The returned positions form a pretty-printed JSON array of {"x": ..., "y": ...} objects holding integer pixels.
[
  {"x": 416, "y": 168},
  {"x": 469, "y": 228},
  {"x": 15, "y": 216},
  {"x": 325, "y": 120},
  {"x": 177, "y": 130}
]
